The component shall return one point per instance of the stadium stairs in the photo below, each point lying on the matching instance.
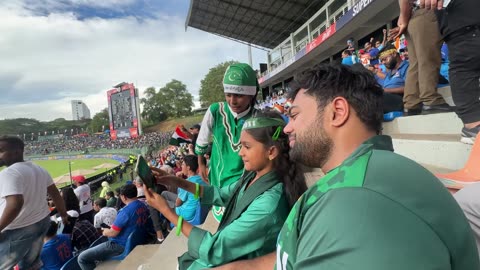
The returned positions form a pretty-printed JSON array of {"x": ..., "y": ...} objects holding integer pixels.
[{"x": 431, "y": 140}]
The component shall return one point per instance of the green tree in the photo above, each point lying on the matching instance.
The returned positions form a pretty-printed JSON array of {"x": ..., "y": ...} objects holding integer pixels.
[
  {"x": 172, "y": 100},
  {"x": 100, "y": 121},
  {"x": 211, "y": 87}
]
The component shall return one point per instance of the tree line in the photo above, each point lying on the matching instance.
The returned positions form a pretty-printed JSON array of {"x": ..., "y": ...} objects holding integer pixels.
[{"x": 173, "y": 100}]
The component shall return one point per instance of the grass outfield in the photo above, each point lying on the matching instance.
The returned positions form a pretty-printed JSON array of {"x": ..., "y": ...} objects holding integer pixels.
[{"x": 60, "y": 167}]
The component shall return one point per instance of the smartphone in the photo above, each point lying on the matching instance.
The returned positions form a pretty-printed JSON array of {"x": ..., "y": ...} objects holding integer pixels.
[
  {"x": 144, "y": 172},
  {"x": 105, "y": 226}
]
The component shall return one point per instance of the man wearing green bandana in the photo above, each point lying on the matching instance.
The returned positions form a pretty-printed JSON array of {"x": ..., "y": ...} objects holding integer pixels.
[
  {"x": 223, "y": 123},
  {"x": 374, "y": 209}
]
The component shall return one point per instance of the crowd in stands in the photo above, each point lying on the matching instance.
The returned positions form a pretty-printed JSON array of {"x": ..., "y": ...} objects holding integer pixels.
[
  {"x": 80, "y": 144},
  {"x": 389, "y": 62},
  {"x": 373, "y": 208}
]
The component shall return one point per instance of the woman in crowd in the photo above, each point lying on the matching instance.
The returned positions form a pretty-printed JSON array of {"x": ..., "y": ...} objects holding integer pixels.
[{"x": 256, "y": 205}]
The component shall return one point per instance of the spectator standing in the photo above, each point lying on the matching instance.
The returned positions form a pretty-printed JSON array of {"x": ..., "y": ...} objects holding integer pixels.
[
  {"x": 460, "y": 28},
  {"x": 424, "y": 43},
  {"x": 84, "y": 197},
  {"x": 224, "y": 121},
  {"x": 105, "y": 188},
  {"x": 372, "y": 52},
  {"x": 24, "y": 212},
  {"x": 57, "y": 249}
]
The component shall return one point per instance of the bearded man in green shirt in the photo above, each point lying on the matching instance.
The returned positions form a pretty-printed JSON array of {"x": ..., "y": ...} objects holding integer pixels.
[{"x": 373, "y": 209}]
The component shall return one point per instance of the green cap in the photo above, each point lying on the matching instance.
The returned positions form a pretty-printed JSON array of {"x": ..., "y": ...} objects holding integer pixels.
[{"x": 240, "y": 79}]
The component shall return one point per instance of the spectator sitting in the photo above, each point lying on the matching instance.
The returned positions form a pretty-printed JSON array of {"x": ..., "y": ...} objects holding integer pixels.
[
  {"x": 119, "y": 205},
  {"x": 394, "y": 82},
  {"x": 105, "y": 215},
  {"x": 133, "y": 217},
  {"x": 184, "y": 203},
  {"x": 111, "y": 199},
  {"x": 348, "y": 58},
  {"x": 57, "y": 249},
  {"x": 83, "y": 233},
  {"x": 105, "y": 188},
  {"x": 139, "y": 184}
]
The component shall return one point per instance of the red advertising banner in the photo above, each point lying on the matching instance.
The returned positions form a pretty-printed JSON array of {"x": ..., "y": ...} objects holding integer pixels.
[{"x": 321, "y": 38}]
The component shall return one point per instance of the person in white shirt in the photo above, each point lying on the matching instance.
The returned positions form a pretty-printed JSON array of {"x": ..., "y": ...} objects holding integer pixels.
[
  {"x": 84, "y": 197},
  {"x": 24, "y": 212},
  {"x": 105, "y": 215}
]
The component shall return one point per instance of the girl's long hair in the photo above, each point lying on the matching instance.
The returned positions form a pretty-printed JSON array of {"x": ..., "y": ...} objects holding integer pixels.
[
  {"x": 292, "y": 177},
  {"x": 70, "y": 199}
]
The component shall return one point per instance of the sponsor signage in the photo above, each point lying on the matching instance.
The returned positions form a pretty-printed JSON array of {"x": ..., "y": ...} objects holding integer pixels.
[{"x": 357, "y": 8}]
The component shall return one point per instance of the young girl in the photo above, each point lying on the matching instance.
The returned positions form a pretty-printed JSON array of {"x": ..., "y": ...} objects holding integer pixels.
[{"x": 256, "y": 205}]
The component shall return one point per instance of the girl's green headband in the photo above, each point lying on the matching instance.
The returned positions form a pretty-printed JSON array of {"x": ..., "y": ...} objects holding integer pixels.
[{"x": 260, "y": 122}]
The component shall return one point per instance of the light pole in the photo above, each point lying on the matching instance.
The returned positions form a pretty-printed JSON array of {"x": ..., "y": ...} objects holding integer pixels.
[{"x": 70, "y": 172}]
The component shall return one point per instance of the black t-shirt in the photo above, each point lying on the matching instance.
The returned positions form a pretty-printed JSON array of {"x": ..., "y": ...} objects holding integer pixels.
[{"x": 458, "y": 15}]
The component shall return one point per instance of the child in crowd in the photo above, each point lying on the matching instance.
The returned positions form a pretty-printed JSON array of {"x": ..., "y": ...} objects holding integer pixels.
[
  {"x": 256, "y": 205},
  {"x": 57, "y": 249},
  {"x": 223, "y": 121}
]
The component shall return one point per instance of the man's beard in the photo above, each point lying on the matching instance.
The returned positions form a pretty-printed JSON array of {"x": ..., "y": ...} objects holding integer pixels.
[
  {"x": 392, "y": 64},
  {"x": 312, "y": 148}
]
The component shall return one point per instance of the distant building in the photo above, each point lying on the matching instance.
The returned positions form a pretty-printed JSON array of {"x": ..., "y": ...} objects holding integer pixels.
[{"x": 80, "y": 111}]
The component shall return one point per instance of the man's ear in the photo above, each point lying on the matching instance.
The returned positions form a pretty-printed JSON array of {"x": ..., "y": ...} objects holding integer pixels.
[{"x": 340, "y": 111}]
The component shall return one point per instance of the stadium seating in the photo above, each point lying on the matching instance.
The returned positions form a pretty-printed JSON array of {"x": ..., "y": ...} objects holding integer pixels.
[
  {"x": 200, "y": 215},
  {"x": 134, "y": 239}
]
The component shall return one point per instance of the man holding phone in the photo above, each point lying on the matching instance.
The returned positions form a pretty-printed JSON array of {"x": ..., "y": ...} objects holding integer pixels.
[{"x": 105, "y": 215}]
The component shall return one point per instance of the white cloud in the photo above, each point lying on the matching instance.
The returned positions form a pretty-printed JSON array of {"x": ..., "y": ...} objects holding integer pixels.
[{"x": 49, "y": 60}]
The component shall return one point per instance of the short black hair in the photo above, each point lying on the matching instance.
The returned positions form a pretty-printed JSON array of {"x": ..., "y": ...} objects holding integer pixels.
[
  {"x": 101, "y": 202},
  {"x": 129, "y": 191},
  {"x": 191, "y": 161},
  {"x": 13, "y": 142},
  {"x": 52, "y": 230},
  {"x": 325, "y": 82},
  {"x": 110, "y": 193},
  {"x": 347, "y": 52}
]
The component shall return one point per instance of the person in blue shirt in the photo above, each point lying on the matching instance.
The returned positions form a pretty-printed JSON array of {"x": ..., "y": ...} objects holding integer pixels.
[
  {"x": 57, "y": 249},
  {"x": 396, "y": 74},
  {"x": 186, "y": 205},
  {"x": 184, "y": 202},
  {"x": 133, "y": 217},
  {"x": 373, "y": 52},
  {"x": 348, "y": 58},
  {"x": 394, "y": 81}
]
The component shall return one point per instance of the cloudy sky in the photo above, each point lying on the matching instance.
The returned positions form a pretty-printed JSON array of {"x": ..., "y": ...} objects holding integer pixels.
[{"x": 53, "y": 51}]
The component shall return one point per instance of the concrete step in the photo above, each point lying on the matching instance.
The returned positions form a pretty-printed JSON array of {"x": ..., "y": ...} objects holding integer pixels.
[
  {"x": 440, "y": 123},
  {"x": 162, "y": 256},
  {"x": 438, "y": 150}
]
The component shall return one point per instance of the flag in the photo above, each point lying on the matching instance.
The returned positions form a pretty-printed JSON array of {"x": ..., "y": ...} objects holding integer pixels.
[{"x": 179, "y": 137}]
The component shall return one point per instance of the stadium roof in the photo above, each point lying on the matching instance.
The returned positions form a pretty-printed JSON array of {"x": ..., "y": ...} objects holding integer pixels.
[{"x": 265, "y": 23}]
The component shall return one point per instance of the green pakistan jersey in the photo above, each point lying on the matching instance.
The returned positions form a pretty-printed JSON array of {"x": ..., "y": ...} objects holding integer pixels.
[
  {"x": 376, "y": 211},
  {"x": 224, "y": 126},
  {"x": 252, "y": 229}
]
